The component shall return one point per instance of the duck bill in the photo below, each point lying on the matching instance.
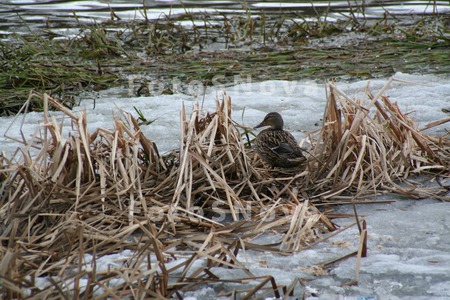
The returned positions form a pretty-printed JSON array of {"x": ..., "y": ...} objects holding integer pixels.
[{"x": 262, "y": 124}]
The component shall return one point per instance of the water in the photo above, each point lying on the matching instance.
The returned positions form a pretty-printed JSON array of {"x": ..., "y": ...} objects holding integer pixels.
[
  {"x": 24, "y": 15},
  {"x": 393, "y": 261}
]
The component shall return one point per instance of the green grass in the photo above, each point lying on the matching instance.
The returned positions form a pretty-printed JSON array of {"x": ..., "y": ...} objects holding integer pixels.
[{"x": 262, "y": 46}]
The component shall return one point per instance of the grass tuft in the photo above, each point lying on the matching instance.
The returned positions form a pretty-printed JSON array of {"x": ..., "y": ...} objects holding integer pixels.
[
  {"x": 199, "y": 46},
  {"x": 185, "y": 215}
]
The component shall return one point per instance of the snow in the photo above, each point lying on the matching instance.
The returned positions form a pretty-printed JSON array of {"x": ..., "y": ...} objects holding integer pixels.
[
  {"x": 301, "y": 104},
  {"x": 408, "y": 240}
]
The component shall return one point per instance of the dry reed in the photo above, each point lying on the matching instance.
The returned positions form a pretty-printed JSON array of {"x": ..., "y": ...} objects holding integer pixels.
[{"x": 94, "y": 194}]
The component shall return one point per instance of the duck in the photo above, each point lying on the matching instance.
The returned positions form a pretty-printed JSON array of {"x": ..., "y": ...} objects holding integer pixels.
[{"x": 276, "y": 146}]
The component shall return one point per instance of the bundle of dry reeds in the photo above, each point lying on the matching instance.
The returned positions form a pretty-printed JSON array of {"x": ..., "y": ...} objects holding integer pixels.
[
  {"x": 104, "y": 192},
  {"x": 367, "y": 147}
]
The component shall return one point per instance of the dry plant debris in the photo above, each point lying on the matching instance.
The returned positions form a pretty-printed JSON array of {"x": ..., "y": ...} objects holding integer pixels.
[{"x": 187, "y": 213}]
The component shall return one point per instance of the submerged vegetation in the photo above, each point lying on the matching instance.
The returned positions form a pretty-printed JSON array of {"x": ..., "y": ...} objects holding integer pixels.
[
  {"x": 184, "y": 216},
  {"x": 216, "y": 48}
]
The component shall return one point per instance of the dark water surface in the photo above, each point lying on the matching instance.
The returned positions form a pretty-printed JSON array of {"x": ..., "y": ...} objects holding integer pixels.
[{"x": 23, "y": 15}]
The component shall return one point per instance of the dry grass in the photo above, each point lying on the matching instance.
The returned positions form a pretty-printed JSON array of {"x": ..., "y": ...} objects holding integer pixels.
[{"x": 94, "y": 194}]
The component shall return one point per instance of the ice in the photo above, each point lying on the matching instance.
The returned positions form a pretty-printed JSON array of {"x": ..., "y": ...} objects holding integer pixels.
[
  {"x": 408, "y": 240},
  {"x": 300, "y": 102},
  {"x": 400, "y": 260}
]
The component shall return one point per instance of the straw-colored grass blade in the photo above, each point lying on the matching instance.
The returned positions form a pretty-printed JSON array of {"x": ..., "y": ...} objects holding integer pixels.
[{"x": 109, "y": 191}]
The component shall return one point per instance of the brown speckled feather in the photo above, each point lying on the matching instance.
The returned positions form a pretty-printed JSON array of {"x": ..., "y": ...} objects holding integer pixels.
[{"x": 276, "y": 146}]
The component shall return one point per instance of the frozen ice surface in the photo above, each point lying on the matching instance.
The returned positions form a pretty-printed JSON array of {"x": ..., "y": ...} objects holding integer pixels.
[
  {"x": 300, "y": 102},
  {"x": 408, "y": 252},
  {"x": 408, "y": 241}
]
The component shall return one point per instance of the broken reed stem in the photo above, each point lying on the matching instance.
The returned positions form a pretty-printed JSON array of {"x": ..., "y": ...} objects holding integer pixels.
[{"x": 111, "y": 190}]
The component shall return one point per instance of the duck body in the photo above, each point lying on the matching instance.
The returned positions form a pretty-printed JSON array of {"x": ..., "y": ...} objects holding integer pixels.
[{"x": 275, "y": 146}]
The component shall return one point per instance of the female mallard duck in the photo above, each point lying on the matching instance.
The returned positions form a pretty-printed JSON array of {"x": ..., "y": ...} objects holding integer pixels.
[{"x": 276, "y": 146}]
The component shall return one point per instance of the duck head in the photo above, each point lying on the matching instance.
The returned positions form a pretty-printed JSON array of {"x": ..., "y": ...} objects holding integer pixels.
[{"x": 274, "y": 120}]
